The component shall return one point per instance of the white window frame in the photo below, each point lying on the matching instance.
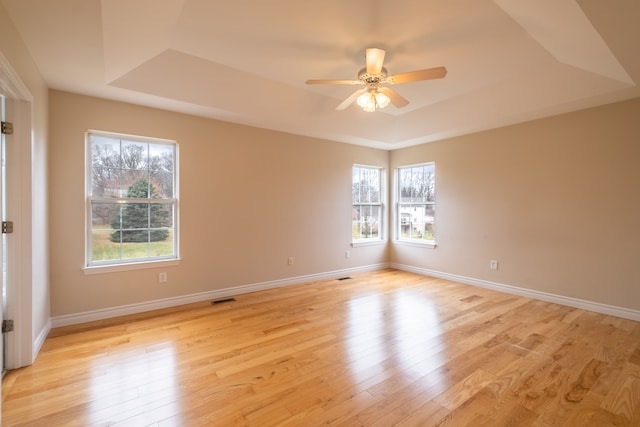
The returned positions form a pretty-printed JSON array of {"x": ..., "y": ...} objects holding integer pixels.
[
  {"x": 421, "y": 242},
  {"x": 380, "y": 238},
  {"x": 104, "y": 266}
]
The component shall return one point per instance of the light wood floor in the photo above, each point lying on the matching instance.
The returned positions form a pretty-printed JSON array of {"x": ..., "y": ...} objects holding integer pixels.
[{"x": 380, "y": 349}]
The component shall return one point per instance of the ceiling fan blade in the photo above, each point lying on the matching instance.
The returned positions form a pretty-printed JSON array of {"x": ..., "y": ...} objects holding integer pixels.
[
  {"x": 397, "y": 100},
  {"x": 414, "y": 76},
  {"x": 334, "y": 82},
  {"x": 374, "y": 58},
  {"x": 350, "y": 100}
]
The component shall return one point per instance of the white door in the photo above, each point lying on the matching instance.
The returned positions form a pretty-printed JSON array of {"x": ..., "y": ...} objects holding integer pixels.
[{"x": 16, "y": 205}]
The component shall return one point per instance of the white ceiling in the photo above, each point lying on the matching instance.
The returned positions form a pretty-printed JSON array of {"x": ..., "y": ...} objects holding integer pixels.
[{"x": 246, "y": 61}]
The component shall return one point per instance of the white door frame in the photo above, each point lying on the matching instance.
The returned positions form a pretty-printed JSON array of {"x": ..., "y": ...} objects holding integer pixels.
[{"x": 19, "y": 101}]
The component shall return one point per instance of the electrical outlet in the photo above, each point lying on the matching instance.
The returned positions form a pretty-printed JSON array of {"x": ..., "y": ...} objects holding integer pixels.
[
  {"x": 162, "y": 277},
  {"x": 290, "y": 260},
  {"x": 347, "y": 254},
  {"x": 493, "y": 264}
]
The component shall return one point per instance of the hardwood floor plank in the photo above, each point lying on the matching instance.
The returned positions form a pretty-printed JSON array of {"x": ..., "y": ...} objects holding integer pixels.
[
  {"x": 427, "y": 415},
  {"x": 465, "y": 389},
  {"x": 624, "y": 398},
  {"x": 587, "y": 378},
  {"x": 380, "y": 349}
]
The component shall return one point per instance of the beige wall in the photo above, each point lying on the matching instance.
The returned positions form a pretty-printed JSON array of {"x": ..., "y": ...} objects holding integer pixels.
[
  {"x": 33, "y": 221},
  {"x": 250, "y": 198},
  {"x": 555, "y": 201}
]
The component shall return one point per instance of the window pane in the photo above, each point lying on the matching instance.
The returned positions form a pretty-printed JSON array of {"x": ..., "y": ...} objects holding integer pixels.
[
  {"x": 407, "y": 221},
  {"x": 105, "y": 151},
  {"x": 414, "y": 222},
  {"x": 135, "y": 184},
  {"x": 430, "y": 213},
  {"x": 430, "y": 183},
  {"x": 162, "y": 184},
  {"x": 356, "y": 215},
  {"x": 103, "y": 247},
  {"x": 135, "y": 155},
  {"x": 364, "y": 189},
  {"x": 373, "y": 182},
  {"x": 418, "y": 223},
  {"x": 372, "y": 224},
  {"x": 366, "y": 222},
  {"x": 104, "y": 214},
  {"x": 359, "y": 221},
  {"x": 161, "y": 157},
  {"x": 106, "y": 182},
  {"x": 135, "y": 216},
  {"x": 362, "y": 221},
  {"x": 135, "y": 250},
  {"x": 105, "y": 234},
  {"x": 416, "y": 185},
  {"x": 405, "y": 185},
  {"x": 161, "y": 215},
  {"x": 162, "y": 247},
  {"x": 355, "y": 185},
  {"x": 429, "y": 222}
]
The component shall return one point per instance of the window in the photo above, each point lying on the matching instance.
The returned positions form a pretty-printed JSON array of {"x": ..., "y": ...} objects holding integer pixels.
[
  {"x": 366, "y": 214},
  {"x": 132, "y": 204},
  {"x": 416, "y": 203}
]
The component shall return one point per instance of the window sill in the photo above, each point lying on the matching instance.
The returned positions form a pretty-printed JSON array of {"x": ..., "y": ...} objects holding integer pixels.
[
  {"x": 112, "y": 268},
  {"x": 372, "y": 242},
  {"x": 417, "y": 243}
]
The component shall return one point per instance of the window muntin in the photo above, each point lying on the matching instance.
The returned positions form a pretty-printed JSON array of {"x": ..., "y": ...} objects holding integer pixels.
[
  {"x": 367, "y": 206},
  {"x": 416, "y": 203},
  {"x": 132, "y": 202}
]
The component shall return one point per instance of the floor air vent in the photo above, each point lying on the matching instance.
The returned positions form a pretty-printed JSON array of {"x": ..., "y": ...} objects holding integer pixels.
[
  {"x": 220, "y": 301},
  {"x": 344, "y": 278}
]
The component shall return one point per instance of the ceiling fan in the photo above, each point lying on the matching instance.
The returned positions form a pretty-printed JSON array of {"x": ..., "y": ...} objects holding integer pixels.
[{"x": 374, "y": 95}]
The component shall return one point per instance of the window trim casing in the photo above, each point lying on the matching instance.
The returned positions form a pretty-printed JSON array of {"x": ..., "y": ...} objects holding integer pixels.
[
  {"x": 382, "y": 235},
  {"x": 137, "y": 263},
  {"x": 429, "y": 244}
]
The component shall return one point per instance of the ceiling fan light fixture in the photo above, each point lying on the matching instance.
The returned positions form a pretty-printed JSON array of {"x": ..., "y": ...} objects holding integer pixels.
[
  {"x": 367, "y": 102},
  {"x": 382, "y": 100},
  {"x": 373, "y": 100}
]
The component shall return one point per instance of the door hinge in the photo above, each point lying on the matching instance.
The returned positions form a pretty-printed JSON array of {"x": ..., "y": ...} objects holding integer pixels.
[
  {"x": 7, "y": 128},
  {"x": 7, "y": 227},
  {"x": 7, "y": 326}
]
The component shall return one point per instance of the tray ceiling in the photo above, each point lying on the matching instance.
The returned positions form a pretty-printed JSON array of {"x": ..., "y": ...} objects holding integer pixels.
[{"x": 246, "y": 61}]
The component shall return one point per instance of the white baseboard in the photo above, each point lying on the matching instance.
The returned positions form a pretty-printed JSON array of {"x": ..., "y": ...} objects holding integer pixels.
[
  {"x": 89, "y": 316},
  {"x": 597, "y": 307},
  {"x": 107, "y": 313}
]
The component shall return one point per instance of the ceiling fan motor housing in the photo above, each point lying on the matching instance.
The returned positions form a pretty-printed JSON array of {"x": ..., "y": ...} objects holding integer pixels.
[{"x": 372, "y": 79}]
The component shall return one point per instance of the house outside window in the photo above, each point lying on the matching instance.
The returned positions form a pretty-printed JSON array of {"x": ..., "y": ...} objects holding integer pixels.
[
  {"x": 416, "y": 203},
  {"x": 131, "y": 198},
  {"x": 367, "y": 208}
]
